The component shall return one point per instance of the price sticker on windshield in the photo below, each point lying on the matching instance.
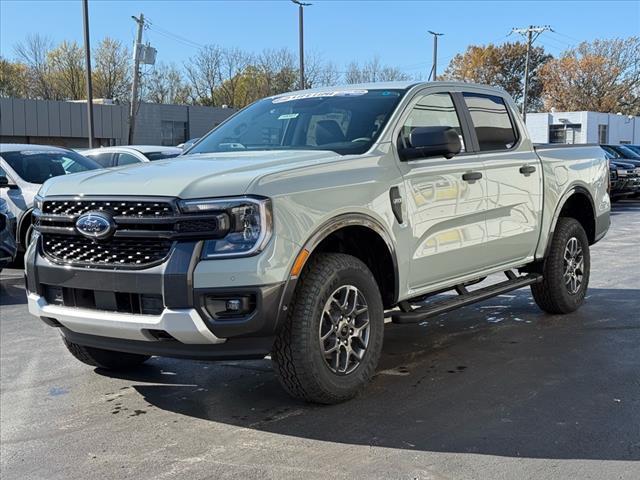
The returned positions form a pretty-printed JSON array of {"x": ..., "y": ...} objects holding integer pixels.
[{"x": 334, "y": 93}]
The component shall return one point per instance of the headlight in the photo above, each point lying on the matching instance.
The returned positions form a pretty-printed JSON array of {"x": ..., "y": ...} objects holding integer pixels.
[
  {"x": 622, "y": 173},
  {"x": 250, "y": 225},
  {"x": 37, "y": 203}
]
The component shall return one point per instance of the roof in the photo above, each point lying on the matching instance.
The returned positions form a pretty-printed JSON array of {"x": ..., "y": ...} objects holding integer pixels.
[
  {"x": 18, "y": 147},
  {"x": 403, "y": 85}
]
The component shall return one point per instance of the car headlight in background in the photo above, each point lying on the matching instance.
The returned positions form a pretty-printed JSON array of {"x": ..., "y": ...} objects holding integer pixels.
[{"x": 250, "y": 224}]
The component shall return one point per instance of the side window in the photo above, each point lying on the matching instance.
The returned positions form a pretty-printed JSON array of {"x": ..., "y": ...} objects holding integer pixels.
[
  {"x": 103, "y": 159},
  {"x": 126, "y": 159},
  {"x": 433, "y": 110},
  {"x": 491, "y": 121}
]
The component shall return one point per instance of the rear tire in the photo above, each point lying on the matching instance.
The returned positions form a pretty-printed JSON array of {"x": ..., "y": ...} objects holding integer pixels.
[
  {"x": 107, "y": 359},
  {"x": 329, "y": 347},
  {"x": 566, "y": 270}
]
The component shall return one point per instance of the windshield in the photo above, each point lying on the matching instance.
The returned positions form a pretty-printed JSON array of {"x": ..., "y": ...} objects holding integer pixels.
[
  {"x": 152, "y": 156},
  {"x": 346, "y": 122},
  {"x": 628, "y": 152},
  {"x": 37, "y": 166}
]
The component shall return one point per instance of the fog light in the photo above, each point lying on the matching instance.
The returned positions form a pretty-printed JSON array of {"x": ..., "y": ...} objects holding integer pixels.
[{"x": 223, "y": 306}]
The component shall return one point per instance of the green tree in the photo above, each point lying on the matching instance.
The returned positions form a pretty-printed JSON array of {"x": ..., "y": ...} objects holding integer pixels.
[
  {"x": 111, "y": 72},
  {"x": 14, "y": 79},
  {"x": 67, "y": 70}
]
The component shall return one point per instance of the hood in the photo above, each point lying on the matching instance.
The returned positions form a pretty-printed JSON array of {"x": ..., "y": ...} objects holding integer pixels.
[{"x": 189, "y": 176}]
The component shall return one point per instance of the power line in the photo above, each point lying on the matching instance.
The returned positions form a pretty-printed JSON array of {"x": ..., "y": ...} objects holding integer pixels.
[{"x": 531, "y": 33}]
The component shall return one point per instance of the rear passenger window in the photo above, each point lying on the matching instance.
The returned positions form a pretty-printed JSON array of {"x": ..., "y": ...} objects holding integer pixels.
[
  {"x": 433, "y": 110},
  {"x": 126, "y": 159},
  {"x": 491, "y": 121}
]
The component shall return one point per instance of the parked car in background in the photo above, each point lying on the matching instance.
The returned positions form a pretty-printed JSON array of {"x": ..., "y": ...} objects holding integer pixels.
[
  {"x": 26, "y": 168},
  {"x": 634, "y": 148},
  {"x": 622, "y": 152},
  {"x": 7, "y": 239},
  {"x": 119, "y": 156},
  {"x": 359, "y": 203},
  {"x": 624, "y": 178},
  {"x": 188, "y": 144}
]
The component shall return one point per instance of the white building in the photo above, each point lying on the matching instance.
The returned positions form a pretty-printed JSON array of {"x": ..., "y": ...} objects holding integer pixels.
[{"x": 583, "y": 127}]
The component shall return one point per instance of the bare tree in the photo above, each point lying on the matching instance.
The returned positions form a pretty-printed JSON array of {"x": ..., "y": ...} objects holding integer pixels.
[
  {"x": 233, "y": 64},
  {"x": 319, "y": 73},
  {"x": 67, "y": 70},
  {"x": 278, "y": 70},
  {"x": 111, "y": 70},
  {"x": 204, "y": 74},
  {"x": 33, "y": 53},
  {"x": 373, "y": 71},
  {"x": 165, "y": 84}
]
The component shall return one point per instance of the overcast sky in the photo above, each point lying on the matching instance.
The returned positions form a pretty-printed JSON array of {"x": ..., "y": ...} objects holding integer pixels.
[{"x": 338, "y": 30}]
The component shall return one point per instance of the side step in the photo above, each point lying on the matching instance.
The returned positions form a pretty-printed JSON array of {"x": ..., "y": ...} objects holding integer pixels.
[{"x": 465, "y": 298}]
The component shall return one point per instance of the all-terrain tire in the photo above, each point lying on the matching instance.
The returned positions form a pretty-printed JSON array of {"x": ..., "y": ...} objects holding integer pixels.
[
  {"x": 107, "y": 359},
  {"x": 552, "y": 294},
  {"x": 298, "y": 356}
]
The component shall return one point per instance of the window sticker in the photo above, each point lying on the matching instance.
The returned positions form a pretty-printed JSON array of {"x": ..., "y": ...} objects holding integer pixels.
[
  {"x": 288, "y": 116},
  {"x": 336, "y": 93}
]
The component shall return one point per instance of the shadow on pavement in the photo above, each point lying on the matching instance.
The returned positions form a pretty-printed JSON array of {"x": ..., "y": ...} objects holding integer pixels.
[
  {"x": 499, "y": 378},
  {"x": 12, "y": 291}
]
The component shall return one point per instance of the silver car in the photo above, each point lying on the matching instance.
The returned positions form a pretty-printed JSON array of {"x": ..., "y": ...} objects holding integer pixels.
[
  {"x": 26, "y": 168},
  {"x": 132, "y": 154}
]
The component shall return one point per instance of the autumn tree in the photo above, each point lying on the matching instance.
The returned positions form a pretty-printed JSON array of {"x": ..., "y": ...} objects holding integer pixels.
[
  {"x": 502, "y": 66},
  {"x": 601, "y": 76},
  {"x": 111, "y": 72},
  {"x": 67, "y": 70},
  {"x": 14, "y": 79}
]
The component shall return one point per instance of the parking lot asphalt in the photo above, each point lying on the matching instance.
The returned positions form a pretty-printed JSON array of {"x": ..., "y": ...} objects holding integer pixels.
[{"x": 498, "y": 390}]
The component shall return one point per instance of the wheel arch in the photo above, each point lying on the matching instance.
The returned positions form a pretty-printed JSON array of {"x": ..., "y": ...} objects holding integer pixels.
[
  {"x": 576, "y": 203},
  {"x": 345, "y": 232}
]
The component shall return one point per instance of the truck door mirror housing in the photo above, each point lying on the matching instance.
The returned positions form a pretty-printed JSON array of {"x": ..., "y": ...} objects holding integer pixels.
[
  {"x": 426, "y": 142},
  {"x": 4, "y": 182}
]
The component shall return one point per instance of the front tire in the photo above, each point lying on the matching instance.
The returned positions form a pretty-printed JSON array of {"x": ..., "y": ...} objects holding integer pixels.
[
  {"x": 566, "y": 270},
  {"x": 329, "y": 347},
  {"x": 107, "y": 359}
]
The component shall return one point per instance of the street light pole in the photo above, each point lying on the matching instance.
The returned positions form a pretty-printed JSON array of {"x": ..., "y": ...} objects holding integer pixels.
[
  {"x": 301, "y": 6},
  {"x": 87, "y": 56},
  {"x": 434, "y": 73}
]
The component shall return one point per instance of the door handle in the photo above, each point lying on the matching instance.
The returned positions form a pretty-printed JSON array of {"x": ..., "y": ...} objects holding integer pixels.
[
  {"x": 527, "y": 170},
  {"x": 471, "y": 176}
]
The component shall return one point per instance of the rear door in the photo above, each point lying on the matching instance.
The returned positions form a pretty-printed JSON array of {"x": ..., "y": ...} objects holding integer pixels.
[
  {"x": 513, "y": 176},
  {"x": 446, "y": 230}
]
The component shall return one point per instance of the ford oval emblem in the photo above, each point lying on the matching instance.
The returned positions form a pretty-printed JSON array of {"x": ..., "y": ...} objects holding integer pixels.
[{"x": 95, "y": 225}]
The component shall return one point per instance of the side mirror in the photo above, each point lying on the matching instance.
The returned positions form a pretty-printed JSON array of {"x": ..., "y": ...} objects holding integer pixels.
[
  {"x": 431, "y": 142},
  {"x": 4, "y": 182}
]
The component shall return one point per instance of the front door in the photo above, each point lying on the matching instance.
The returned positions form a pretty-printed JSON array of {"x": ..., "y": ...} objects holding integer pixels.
[{"x": 445, "y": 213}]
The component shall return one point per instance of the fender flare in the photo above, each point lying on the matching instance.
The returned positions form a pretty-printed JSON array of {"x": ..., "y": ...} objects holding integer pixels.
[
  {"x": 327, "y": 228},
  {"x": 561, "y": 203}
]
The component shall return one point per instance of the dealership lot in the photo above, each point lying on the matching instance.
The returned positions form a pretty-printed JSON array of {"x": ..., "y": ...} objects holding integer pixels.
[{"x": 497, "y": 390}]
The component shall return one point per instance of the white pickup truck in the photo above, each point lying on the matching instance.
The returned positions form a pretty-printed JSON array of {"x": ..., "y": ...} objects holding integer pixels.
[{"x": 303, "y": 221}]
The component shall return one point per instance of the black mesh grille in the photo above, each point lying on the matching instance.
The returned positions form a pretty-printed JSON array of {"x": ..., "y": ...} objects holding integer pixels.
[
  {"x": 115, "y": 251},
  {"x": 117, "y": 208}
]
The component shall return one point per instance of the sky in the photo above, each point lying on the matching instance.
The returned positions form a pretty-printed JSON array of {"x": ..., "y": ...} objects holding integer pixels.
[{"x": 339, "y": 31}]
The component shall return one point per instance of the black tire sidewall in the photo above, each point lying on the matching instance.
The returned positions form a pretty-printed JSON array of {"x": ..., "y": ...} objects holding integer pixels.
[{"x": 345, "y": 386}]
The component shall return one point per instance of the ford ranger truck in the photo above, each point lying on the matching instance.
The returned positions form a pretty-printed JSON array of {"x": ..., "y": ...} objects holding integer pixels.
[{"x": 294, "y": 228}]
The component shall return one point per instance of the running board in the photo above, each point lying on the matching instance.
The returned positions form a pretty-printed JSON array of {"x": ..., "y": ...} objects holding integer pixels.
[{"x": 465, "y": 298}]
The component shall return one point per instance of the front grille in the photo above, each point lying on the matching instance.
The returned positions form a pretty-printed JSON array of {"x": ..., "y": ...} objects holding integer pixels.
[
  {"x": 112, "y": 252},
  {"x": 117, "y": 208},
  {"x": 124, "y": 302},
  {"x": 145, "y": 230}
]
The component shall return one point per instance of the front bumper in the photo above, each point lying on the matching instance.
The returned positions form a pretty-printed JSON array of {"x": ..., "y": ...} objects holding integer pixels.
[{"x": 183, "y": 327}]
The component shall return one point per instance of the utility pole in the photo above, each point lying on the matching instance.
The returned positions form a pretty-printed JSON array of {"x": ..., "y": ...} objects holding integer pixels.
[
  {"x": 136, "y": 77},
  {"x": 87, "y": 57},
  {"x": 434, "y": 73},
  {"x": 301, "y": 6},
  {"x": 532, "y": 33}
]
